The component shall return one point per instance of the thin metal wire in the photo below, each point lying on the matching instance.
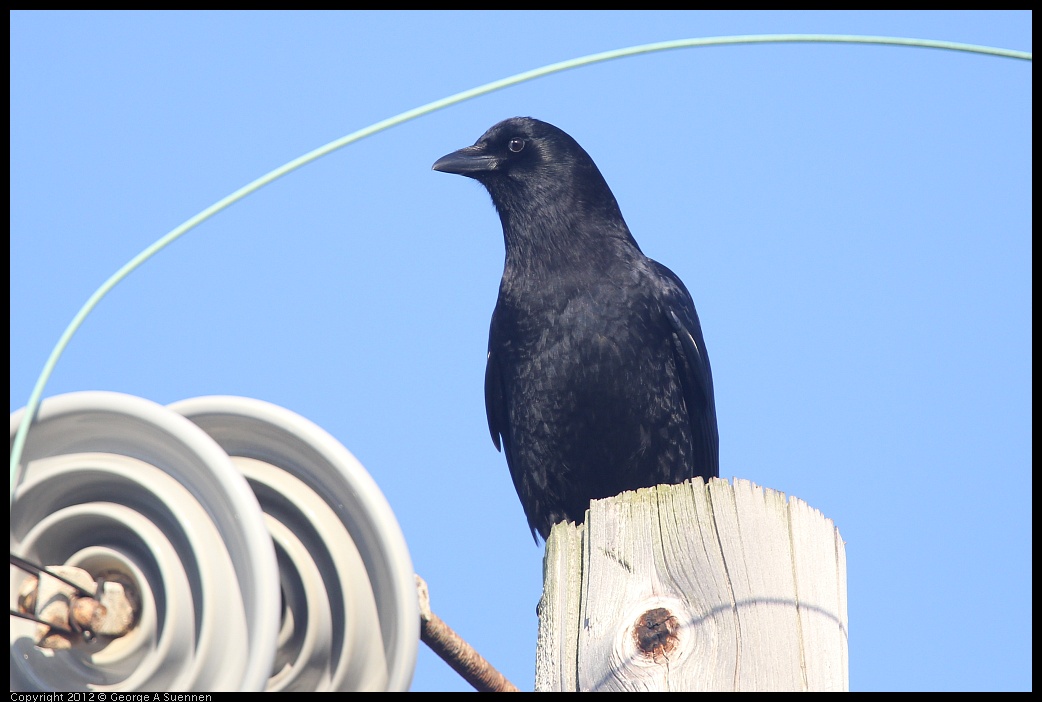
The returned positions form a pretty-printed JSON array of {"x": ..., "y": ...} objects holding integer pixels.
[
  {"x": 39, "y": 571},
  {"x": 34, "y": 618},
  {"x": 36, "y": 570}
]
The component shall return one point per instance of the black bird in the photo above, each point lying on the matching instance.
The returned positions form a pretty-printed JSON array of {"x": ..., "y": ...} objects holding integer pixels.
[{"x": 598, "y": 379}]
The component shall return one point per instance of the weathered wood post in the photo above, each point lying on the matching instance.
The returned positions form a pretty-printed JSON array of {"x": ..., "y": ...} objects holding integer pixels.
[{"x": 694, "y": 587}]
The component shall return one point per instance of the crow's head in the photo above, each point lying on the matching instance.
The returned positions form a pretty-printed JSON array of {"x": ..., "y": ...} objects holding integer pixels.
[
  {"x": 533, "y": 170},
  {"x": 520, "y": 147}
]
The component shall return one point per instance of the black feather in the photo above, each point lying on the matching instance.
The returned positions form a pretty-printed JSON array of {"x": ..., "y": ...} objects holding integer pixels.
[{"x": 598, "y": 379}]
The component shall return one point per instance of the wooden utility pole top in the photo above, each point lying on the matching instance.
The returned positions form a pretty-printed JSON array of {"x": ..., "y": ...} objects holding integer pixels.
[{"x": 694, "y": 587}]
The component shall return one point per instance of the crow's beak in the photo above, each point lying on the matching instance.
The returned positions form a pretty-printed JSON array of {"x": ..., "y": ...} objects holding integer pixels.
[{"x": 469, "y": 161}]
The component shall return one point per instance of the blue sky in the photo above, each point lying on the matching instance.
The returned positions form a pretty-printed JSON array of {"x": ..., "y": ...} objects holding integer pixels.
[{"x": 853, "y": 222}]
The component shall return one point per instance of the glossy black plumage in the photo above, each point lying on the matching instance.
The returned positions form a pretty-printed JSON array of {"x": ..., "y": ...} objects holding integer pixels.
[{"x": 598, "y": 379}]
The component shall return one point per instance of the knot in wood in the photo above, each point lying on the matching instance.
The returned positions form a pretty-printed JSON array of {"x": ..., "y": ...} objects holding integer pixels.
[{"x": 655, "y": 633}]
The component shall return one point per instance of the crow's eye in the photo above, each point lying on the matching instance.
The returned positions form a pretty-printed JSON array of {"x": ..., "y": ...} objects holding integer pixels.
[{"x": 516, "y": 145}]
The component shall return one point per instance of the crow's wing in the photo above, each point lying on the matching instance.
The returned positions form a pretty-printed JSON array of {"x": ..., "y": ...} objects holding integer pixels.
[{"x": 696, "y": 375}]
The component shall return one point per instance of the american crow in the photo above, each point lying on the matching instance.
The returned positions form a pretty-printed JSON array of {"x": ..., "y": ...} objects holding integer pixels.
[{"x": 598, "y": 379}]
